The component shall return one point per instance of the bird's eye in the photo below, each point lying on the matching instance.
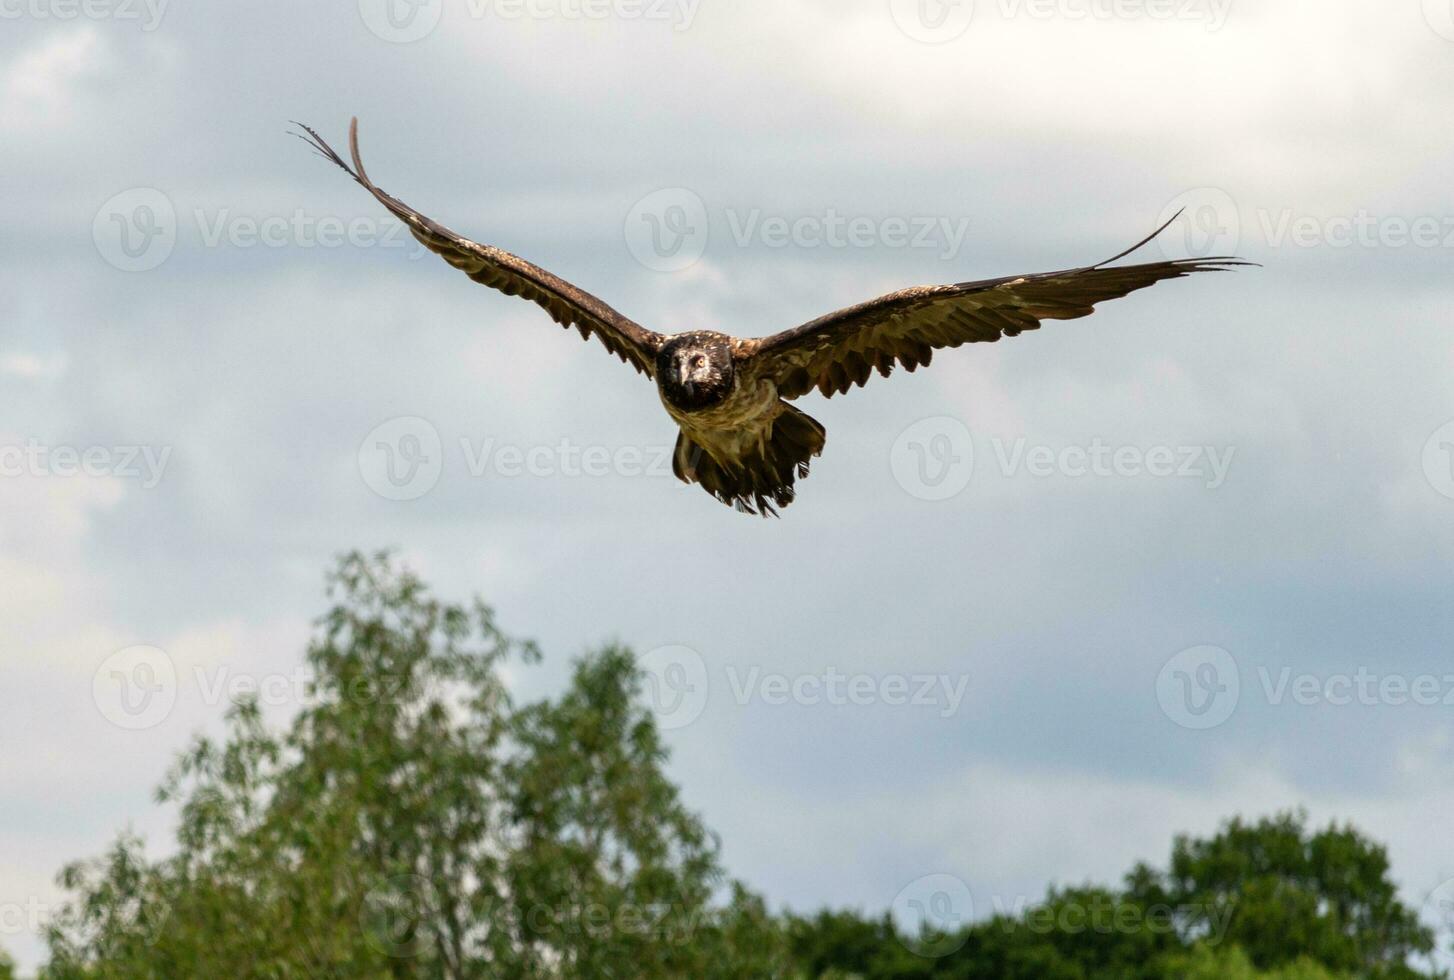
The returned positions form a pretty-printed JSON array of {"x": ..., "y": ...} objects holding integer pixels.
[{"x": 698, "y": 361}]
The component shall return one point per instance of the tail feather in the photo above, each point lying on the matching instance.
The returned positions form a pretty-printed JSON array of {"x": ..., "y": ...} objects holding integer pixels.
[{"x": 761, "y": 481}]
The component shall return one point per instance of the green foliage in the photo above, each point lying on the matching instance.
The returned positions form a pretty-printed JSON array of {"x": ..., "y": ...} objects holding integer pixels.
[
  {"x": 1230, "y": 963},
  {"x": 1265, "y": 901},
  {"x": 1291, "y": 893},
  {"x": 7, "y": 966},
  {"x": 413, "y": 822}
]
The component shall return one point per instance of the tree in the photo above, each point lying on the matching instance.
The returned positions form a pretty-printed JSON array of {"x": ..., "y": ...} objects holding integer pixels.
[
  {"x": 1290, "y": 894},
  {"x": 1263, "y": 901},
  {"x": 413, "y": 822},
  {"x": 1230, "y": 963}
]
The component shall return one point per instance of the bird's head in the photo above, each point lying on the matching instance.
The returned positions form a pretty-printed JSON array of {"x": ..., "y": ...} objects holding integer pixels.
[{"x": 695, "y": 369}]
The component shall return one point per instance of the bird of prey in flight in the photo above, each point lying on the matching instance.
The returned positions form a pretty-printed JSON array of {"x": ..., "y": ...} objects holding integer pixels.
[{"x": 739, "y": 438}]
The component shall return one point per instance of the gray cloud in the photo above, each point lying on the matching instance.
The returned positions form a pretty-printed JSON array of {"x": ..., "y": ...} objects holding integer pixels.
[{"x": 1060, "y": 598}]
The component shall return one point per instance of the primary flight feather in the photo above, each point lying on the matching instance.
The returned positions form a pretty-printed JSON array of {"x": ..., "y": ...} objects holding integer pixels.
[{"x": 739, "y": 439}]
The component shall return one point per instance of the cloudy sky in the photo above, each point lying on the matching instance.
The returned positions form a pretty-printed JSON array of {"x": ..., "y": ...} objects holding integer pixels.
[{"x": 1035, "y": 611}]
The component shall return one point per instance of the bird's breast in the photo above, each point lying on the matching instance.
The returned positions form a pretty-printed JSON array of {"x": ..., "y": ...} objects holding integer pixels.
[{"x": 749, "y": 407}]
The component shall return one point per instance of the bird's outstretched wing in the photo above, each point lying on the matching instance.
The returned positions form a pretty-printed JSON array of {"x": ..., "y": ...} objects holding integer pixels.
[
  {"x": 508, "y": 273},
  {"x": 842, "y": 349}
]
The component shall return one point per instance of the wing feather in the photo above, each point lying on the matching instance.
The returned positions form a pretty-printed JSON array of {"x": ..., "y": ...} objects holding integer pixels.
[
  {"x": 835, "y": 352},
  {"x": 510, "y": 274}
]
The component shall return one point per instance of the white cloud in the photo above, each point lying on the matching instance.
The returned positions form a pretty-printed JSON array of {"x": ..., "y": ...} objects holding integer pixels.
[
  {"x": 265, "y": 369},
  {"x": 37, "y": 90},
  {"x": 32, "y": 367}
]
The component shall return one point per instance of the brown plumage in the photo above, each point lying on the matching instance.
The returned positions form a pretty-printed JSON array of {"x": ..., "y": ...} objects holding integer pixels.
[{"x": 739, "y": 439}]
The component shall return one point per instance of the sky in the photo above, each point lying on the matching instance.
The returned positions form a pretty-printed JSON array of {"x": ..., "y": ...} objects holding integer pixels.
[{"x": 1036, "y": 610}]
